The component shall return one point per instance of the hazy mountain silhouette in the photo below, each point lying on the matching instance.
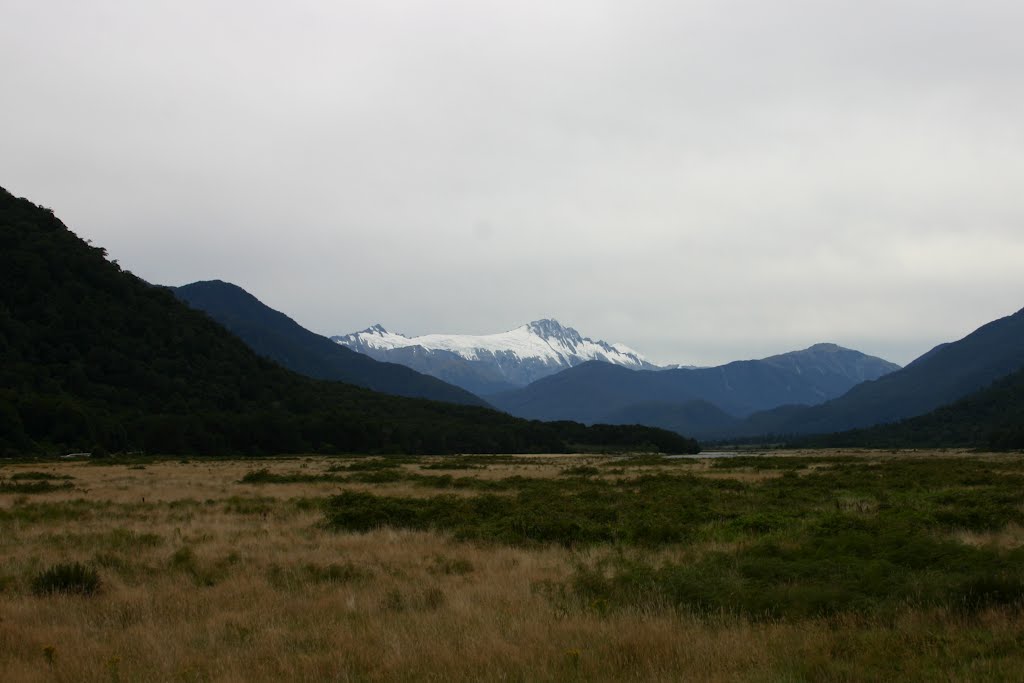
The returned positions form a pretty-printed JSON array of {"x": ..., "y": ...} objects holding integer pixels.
[
  {"x": 598, "y": 392},
  {"x": 941, "y": 376}
]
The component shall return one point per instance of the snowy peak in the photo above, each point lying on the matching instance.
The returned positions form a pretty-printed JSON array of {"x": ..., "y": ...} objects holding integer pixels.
[
  {"x": 374, "y": 336},
  {"x": 509, "y": 359},
  {"x": 549, "y": 328},
  {"x": 546, "y": 340},
  {"x": 570, "y": 345}
]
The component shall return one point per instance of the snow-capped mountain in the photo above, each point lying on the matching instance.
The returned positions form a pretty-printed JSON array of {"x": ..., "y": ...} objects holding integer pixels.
[{"x": 485, "y": 364}]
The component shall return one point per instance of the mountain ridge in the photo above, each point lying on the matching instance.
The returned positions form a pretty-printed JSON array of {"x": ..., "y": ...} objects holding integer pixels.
[
  {"x": 595, "y": 392},
  {"x": 490, "y": 363},
  {"x": 273, "y": 334},
  {"x": 944, "y": 374},
  {"x": 992, "y": 418}
]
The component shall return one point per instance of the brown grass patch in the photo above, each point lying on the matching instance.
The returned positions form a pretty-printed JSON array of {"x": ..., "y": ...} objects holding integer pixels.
[{"x": 1009, "y": 537}]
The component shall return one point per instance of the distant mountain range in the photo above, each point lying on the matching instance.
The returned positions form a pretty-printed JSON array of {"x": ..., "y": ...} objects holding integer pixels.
[
  {"x": 822, "y": 390},
  {"x": 941, "y": 376},
  {"x": 701, "y": 399},
  {"x": 488, "y": 364},
  {"x": 274, "y": 335},
  {"x": 990, "y": 418},
  {"x": 96, "y": 359}
]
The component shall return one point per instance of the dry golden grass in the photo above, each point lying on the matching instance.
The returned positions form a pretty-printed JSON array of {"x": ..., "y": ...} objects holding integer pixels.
[
  {"x": 1012, "y": 536},
  {"x": 207, "y": 579}
]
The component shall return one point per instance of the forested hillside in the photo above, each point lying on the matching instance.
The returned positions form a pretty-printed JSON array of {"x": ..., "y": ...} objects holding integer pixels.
[{"x": 992, "y": 418}]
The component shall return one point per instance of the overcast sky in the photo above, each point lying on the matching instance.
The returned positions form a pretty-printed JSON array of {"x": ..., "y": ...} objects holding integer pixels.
[{"x": 702, "y": 180}]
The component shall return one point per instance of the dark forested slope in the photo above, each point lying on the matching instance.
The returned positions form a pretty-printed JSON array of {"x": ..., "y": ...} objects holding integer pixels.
[
  {"x": 992, "y": 418},
  {"x": 95, "y": 357},
  {"x": 272, "y": 334}
]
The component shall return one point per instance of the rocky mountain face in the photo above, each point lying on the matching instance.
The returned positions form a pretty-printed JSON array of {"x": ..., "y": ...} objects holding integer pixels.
[{"x": 491, "y": 363}]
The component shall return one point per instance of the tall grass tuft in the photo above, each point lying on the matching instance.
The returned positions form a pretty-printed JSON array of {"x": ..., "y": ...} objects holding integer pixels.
[{"x": 67, "y": 578}]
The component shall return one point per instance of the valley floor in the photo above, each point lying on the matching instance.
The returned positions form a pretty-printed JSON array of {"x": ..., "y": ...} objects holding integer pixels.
[{"x": 801, "y": 566}]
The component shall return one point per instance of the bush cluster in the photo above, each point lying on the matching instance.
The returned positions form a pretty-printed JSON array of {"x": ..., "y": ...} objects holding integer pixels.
[
  {"x": 67, "y": 578},
  {"x": 814, "y": 538}
]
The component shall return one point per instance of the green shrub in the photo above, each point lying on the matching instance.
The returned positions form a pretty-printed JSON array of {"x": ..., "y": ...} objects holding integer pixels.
[
  {"x": 39, "y": 476},
  {"x": 790, "y": 546},
  {"x": 261, "y": 505},
  {"x": 265, "y": 476},
  {"x": 988, "y": 590},
  {"x": 580, "y": 471},
  {"x": 32, "y": 486},
  {"x": 67, "y": 578},
  {"x": 378, "y": 476},
  {"x": 371, "y": 465},
  {"x": 451, "y": 464},
  {"x": 260, "y": 476}
]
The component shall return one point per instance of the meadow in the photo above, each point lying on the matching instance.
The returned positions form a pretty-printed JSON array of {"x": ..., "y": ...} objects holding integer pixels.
[{"x": 787, "y": 566}]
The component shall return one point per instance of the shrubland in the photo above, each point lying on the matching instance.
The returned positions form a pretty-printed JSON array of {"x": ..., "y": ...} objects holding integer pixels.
[{"x": 806, "y": 566}]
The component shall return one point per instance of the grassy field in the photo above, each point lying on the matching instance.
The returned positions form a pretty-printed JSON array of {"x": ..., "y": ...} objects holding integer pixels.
[{"x": 801, "y": 566}]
